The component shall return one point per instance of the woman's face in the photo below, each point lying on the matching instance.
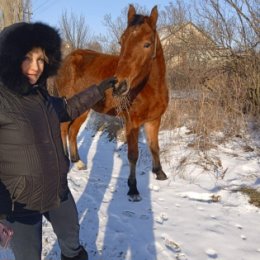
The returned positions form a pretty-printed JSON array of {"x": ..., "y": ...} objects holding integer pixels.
[{"x": 33, "y": 64}]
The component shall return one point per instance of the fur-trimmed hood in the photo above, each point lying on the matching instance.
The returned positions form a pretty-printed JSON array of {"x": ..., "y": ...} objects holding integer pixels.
[{"x": 16, "y": 41}]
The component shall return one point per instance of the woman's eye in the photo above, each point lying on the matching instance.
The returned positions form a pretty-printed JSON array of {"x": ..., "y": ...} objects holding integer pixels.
[
  {"x": 27, "y": 58},
  {"x": 147, "y": 45}
]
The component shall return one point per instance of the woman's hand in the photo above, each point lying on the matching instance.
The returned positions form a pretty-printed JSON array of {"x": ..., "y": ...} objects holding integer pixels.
[{"x": 106, "y": 84}]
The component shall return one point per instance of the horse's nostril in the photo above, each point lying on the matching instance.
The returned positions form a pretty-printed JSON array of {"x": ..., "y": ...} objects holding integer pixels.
[
  {"x": 120, "y": 88},
  {"x": 123, "y": 84}
]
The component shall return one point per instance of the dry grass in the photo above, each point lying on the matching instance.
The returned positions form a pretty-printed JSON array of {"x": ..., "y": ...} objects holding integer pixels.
[
  {"x": 203, "y": 116},
  {"x": 216, "y": 98},
  {"x": 215, "y": 105},
  {"x": 253, "y": 194}
]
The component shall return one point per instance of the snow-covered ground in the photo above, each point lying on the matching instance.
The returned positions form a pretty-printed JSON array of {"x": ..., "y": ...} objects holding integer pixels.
[{"x": 196, "y": 214}]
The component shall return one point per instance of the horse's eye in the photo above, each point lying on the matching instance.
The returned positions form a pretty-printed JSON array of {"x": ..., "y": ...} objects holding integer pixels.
[{"x": 147, "y": 45}]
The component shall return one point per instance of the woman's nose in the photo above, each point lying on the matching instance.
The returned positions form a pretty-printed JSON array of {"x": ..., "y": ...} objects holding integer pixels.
[{"x": 34, "y": 65}]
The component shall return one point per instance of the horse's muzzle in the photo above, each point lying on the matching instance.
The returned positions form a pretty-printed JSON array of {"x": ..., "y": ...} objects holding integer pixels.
[{"x": 120, "y": 89}]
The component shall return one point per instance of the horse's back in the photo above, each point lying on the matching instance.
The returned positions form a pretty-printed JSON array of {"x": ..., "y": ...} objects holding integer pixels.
[{"x": 83, "y": 68}]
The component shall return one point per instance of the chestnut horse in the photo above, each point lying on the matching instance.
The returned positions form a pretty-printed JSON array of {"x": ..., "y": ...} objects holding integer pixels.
[{"x": 140, "y": 71}]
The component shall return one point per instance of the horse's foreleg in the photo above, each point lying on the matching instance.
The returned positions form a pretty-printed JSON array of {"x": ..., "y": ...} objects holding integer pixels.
[
  {"x": 152, "y": 131},
  {"x": 73, "y": 132},
  {"x": 132, "y": 141},
  {"x": 64, "y": 128}
]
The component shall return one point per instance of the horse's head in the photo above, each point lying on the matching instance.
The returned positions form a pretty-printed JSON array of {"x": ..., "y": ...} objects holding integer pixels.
[{"x": 138, "y": 50}]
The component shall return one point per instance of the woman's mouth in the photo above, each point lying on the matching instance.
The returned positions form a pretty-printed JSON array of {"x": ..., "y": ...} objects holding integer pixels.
[{"x": 32, "y": 78}]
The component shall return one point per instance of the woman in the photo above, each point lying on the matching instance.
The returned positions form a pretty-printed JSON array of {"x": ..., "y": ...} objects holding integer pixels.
[{"x": 33, "y": 166}]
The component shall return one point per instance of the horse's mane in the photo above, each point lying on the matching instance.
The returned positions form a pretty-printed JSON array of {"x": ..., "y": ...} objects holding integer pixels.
[{"x": 137, "y": 20}]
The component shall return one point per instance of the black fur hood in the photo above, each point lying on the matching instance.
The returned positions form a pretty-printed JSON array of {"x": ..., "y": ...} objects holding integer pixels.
[{"x": 16, "y": 41}]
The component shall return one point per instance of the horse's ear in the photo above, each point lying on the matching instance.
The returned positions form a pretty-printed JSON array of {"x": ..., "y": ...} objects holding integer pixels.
[
  {"x": 131, "y": 13},
  {"x": 154, "y": 17}
]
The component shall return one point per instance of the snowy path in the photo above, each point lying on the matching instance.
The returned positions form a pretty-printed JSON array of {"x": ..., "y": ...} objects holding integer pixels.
[{"x": 192, "y": 215}]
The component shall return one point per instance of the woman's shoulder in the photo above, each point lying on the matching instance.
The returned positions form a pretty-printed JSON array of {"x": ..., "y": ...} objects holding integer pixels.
[{"x": 7, "y": 97}]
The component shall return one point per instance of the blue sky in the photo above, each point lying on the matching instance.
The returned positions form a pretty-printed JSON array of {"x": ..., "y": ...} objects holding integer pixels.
[{"x": 50, "y": 11}]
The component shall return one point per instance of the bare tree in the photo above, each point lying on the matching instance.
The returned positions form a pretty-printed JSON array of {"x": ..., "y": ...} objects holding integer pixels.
[
  {"x": 174, "y": 14},
  {"x": 12, "y": 11},
  {"x": 219, "y": 78},
  {"x": 234, "y": 24},
  {"x": 248, "y": 13},
  {"x": 74, "y": 30}
]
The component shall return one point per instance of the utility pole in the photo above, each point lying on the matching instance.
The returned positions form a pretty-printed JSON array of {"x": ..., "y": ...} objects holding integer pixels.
[
  {"x": 27, "y": 15},
  {"x": 27, "y": 11}
]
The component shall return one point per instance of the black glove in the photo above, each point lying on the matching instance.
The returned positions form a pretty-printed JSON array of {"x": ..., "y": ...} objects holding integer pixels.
[{"x": 107, "y": 83}]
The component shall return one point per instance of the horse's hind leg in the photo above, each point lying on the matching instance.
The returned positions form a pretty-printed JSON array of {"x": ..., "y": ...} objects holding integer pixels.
[
  {"x": 73, "y": 132},
  {"x": 132, "y": 142},
  {"x": 152, "y": 131},
  {"x": 64, "y": 128}
]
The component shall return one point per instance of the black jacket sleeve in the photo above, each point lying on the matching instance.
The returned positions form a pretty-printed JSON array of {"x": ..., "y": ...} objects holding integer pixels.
[{"x": 69, "y": 109}]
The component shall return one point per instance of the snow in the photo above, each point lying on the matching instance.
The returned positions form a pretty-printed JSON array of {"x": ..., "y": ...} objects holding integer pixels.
[{"x": 196, "y": 214}]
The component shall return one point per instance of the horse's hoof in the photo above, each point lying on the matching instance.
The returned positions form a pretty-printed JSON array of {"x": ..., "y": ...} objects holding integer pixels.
[
  {"x": 134, "y": 198},
  {"x": 80, "y": 165},
  {"x": 161, "y": 176}
]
